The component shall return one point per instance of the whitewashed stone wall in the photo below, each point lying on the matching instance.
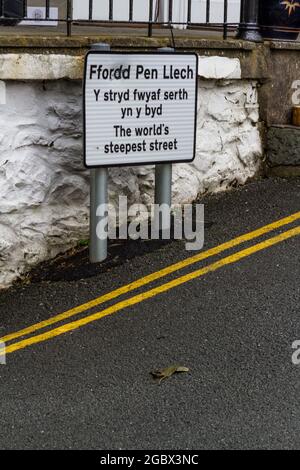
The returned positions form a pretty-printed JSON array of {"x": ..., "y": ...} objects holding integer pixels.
[{"x": 44, "y": 189}]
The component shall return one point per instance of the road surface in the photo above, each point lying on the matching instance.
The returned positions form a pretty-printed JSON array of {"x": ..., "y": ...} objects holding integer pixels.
[{"x": 82, "y": 380}]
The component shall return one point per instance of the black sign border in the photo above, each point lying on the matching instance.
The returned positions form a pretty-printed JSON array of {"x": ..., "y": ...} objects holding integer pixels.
[{"x": 141, "y": 163}]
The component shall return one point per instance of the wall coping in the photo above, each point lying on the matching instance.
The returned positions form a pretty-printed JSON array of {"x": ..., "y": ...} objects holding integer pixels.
[
  {"x": 16, "y": 42},
  {"x": 60, "y": 66},
  {"x": 26, "y": 43}
]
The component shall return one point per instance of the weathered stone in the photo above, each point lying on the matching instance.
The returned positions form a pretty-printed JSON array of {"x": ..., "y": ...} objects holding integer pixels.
[
  {"x": 40, "y": 66},
  {"x": 219, "y": 68},
  {"x": 283, "y": 146},
  {"x": 58, "y": 66}
]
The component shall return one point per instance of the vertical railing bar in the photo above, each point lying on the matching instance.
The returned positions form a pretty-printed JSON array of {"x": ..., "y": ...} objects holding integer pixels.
[
  {"x": 111, "y": 10},
  {"x": 25, "y": 9},
  {"x": 189, "y": 11},
  {"x": 225, "y": 25},
  {"x": 207, "y": 11},
  {"x": 91, "y": 9},
  {"x": 69, "y": 17},
  {"x": 170, "y": 11},
  {"x": 130, "y": 10},
  {"x": 47, "y": 9},
  {"x": 150, "y": 24}
]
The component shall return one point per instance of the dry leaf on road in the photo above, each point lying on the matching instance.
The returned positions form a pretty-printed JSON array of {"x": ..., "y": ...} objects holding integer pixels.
[{"x": 162, "y": 374}]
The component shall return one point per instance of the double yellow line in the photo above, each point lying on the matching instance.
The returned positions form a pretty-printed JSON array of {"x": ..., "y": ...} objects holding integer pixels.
[{"x": 52, "y": 333}]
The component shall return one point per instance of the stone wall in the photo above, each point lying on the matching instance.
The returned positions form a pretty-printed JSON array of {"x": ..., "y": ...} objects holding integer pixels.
[
  {"x": 44, "y": 188},
  {"x": 282, "y": 150}
]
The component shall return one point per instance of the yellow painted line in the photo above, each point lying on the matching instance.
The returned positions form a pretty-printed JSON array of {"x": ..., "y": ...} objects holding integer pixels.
[
  {"x": 153, "y": 292},
  {"x": 153, "y": 277}
]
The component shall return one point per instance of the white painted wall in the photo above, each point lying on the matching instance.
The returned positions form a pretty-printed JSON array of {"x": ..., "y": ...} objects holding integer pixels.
[{"x": 141, "y": 10}]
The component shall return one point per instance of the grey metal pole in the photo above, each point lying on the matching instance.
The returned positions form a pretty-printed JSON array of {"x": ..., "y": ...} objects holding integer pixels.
[
  {"x": 249, "y": 24},
  {"x": 98, "y": 197},
  {"x": 163, "y": 184},
  {"x": 163, "y": 179}
]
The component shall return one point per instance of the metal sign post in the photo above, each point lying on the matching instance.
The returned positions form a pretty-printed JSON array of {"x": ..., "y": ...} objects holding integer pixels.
[
  {"x": 163, "y": 181},
  {"x": 98, "y": 198}
]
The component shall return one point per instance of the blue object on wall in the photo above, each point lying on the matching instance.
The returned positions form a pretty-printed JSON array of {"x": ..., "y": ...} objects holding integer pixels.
[{"x": 279, "y": 19}]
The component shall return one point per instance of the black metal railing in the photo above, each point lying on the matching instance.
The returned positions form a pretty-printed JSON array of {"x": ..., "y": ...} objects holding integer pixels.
[{"x": 14, "y": 11}]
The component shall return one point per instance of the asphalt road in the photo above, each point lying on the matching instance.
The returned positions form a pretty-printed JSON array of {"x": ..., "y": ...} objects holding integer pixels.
[{"x": 91, "y": 388}]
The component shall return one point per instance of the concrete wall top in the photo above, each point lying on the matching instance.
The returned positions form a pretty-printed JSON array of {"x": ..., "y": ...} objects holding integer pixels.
[{"x": 61, "y": 66}]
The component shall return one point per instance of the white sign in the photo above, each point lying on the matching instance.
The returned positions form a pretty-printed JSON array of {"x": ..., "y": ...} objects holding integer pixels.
[{"x": 139, "y": 108}]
